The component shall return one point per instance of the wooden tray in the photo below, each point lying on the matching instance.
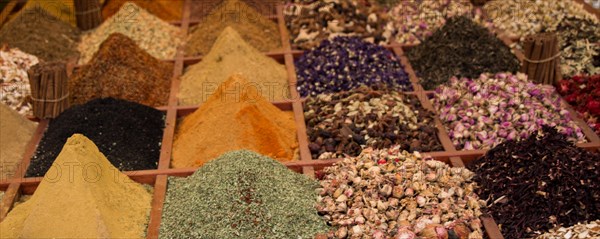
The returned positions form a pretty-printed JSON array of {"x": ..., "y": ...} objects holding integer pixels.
[{"x": 19, "y": 185}]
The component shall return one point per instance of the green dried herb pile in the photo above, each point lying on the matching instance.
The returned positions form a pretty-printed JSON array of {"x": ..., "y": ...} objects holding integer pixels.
[
  {"x": 241, "y": 194},
  {"x": 460, "y": 48}
]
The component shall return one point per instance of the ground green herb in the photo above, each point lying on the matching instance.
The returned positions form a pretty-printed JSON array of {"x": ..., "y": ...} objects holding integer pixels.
[{"x": 241, "y": 194}]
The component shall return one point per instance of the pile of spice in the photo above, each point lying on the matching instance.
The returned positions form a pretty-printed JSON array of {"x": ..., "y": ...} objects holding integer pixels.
[
  {"x": 539, "y": 183},
  {"x": 232, "y": 55},
  {"x": 581, "y": 93},
  {"x": 484, "y": 112},
  {"x": 129, "y": 134},
  {"x": 1, "y": 195},
  {"x": 167, "y": 10},
  {"x": 241, "y": 194},
  {"x": 519, "y": 18},
  {"x": 16, "y": 92},
  {"x": 580, "y": 230},
  {"x": 256, "y": 29},
  {"x": 200, "y": 9},
  {"x": 417, "y": 20},
  {"x": 460, "y": 48},
  {"x": 346, "y": 63},
  {"x": 153, "y": 35},
  {"x": 312, "y": 23},
  {"x": 63, "y": 10},
  {"x": 394, "y": 194},
  {"x": 579, "y": 45},
  {"x": 38, "y": 33},
  {"x": 15, "y": 134},
  {"x": 234, "y": 117},
  {"x": 90, "y": 200},
  {"x": 122, "y": 70},
  {"x": 344, "y": 123}
]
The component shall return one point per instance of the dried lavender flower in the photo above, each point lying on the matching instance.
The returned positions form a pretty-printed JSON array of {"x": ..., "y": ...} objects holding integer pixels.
[{"x": 346, "y": 63}]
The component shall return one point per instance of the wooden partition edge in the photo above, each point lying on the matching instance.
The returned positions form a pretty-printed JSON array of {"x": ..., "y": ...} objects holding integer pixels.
[
  {"x": 10, "y": 196},
  {"x": 491, "y": 228},
  {"x": 6, "y": 11},
  {"x": 30, "y": 149}
]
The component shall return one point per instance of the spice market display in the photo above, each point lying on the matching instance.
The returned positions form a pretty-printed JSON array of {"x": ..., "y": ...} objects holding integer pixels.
[{"x": 375, "y": 119}]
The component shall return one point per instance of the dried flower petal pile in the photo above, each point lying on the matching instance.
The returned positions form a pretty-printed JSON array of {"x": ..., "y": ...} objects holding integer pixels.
[
  {"x": 15, "y": 93},
  {"x": 539, "y": 183},
  {"x": 583, "y": 94},
  {"x": 395, "y": 194},
  {"x": 417, "y": 20},
  {"x": 482, "y": 113},
  {"x": 460, "y": 48},
  {"x": 312, "y": 23},
  {"x": 345, "y": 63},
  {"x": 344, "y": 123}
]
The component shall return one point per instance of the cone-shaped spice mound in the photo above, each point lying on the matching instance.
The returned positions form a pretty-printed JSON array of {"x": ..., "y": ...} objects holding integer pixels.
[
  {"x": 460, "y": 48},
  {"x": 157, "y": 37},
  {"x": 235, "y": 117},
  {"x": 90, "y": 199},
  {"x": 241, "y": 195},
  {"x": 122, "y": 70},
  {"x": 129, "y": 134},
  {"x": 15, "y": 134},
  {"x": 167, "y": 10},
  {"x": 231, "y": 54},
  {"x": 539, "y": 183},
  {"x": 254, "y": 27},
  {"x": 39, "y": 33}
]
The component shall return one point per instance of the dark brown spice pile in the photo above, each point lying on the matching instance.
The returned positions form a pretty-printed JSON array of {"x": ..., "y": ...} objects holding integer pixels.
[
  {"x": 129, "y": 134},
  {"x": 460, "y": 48},
  {"x": 37, "y": 32},
  {"x": 122, "y": 70},
  {"x": 344, "y": 123},
  {"x": 539, "y": 183}
]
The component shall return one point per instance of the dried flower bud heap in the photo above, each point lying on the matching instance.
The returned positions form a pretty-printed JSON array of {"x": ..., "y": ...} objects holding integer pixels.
[
  {"x": 539, "y": 183},
  {"x": 344, "y": 123},
  {"x": 579, "y": 231},
  {"x": 581, "y": 92},
  {"x": 311, "y": 23},
  {"x": 14, "y": 79},
  {"x": 417, "y": 20},
  {"x": 346, "y": 63},
  {"x": 395, "y": 194},
  {"x": 460, "y": 48},
  {"x": 484, "y": 112}
]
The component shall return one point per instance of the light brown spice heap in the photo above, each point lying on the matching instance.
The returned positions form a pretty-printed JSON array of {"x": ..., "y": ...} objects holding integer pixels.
[
  {"x": 231, "y": 54},
  {"x": 91, "y": 199},
  {"x": 157, "y": 37},
  {"x": 15, "y": 133},
  {"x": 254, "y": 27},
  {"x": 235, "y": 117},
  {"x": 579, "y": 231}
]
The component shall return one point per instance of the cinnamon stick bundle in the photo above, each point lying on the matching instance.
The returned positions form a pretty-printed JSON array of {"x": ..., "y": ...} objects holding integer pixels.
[
  {"x": 542, "y": 61},
  {"x": 88, "y": 14},
  {"x": 49, "y": 89}
]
